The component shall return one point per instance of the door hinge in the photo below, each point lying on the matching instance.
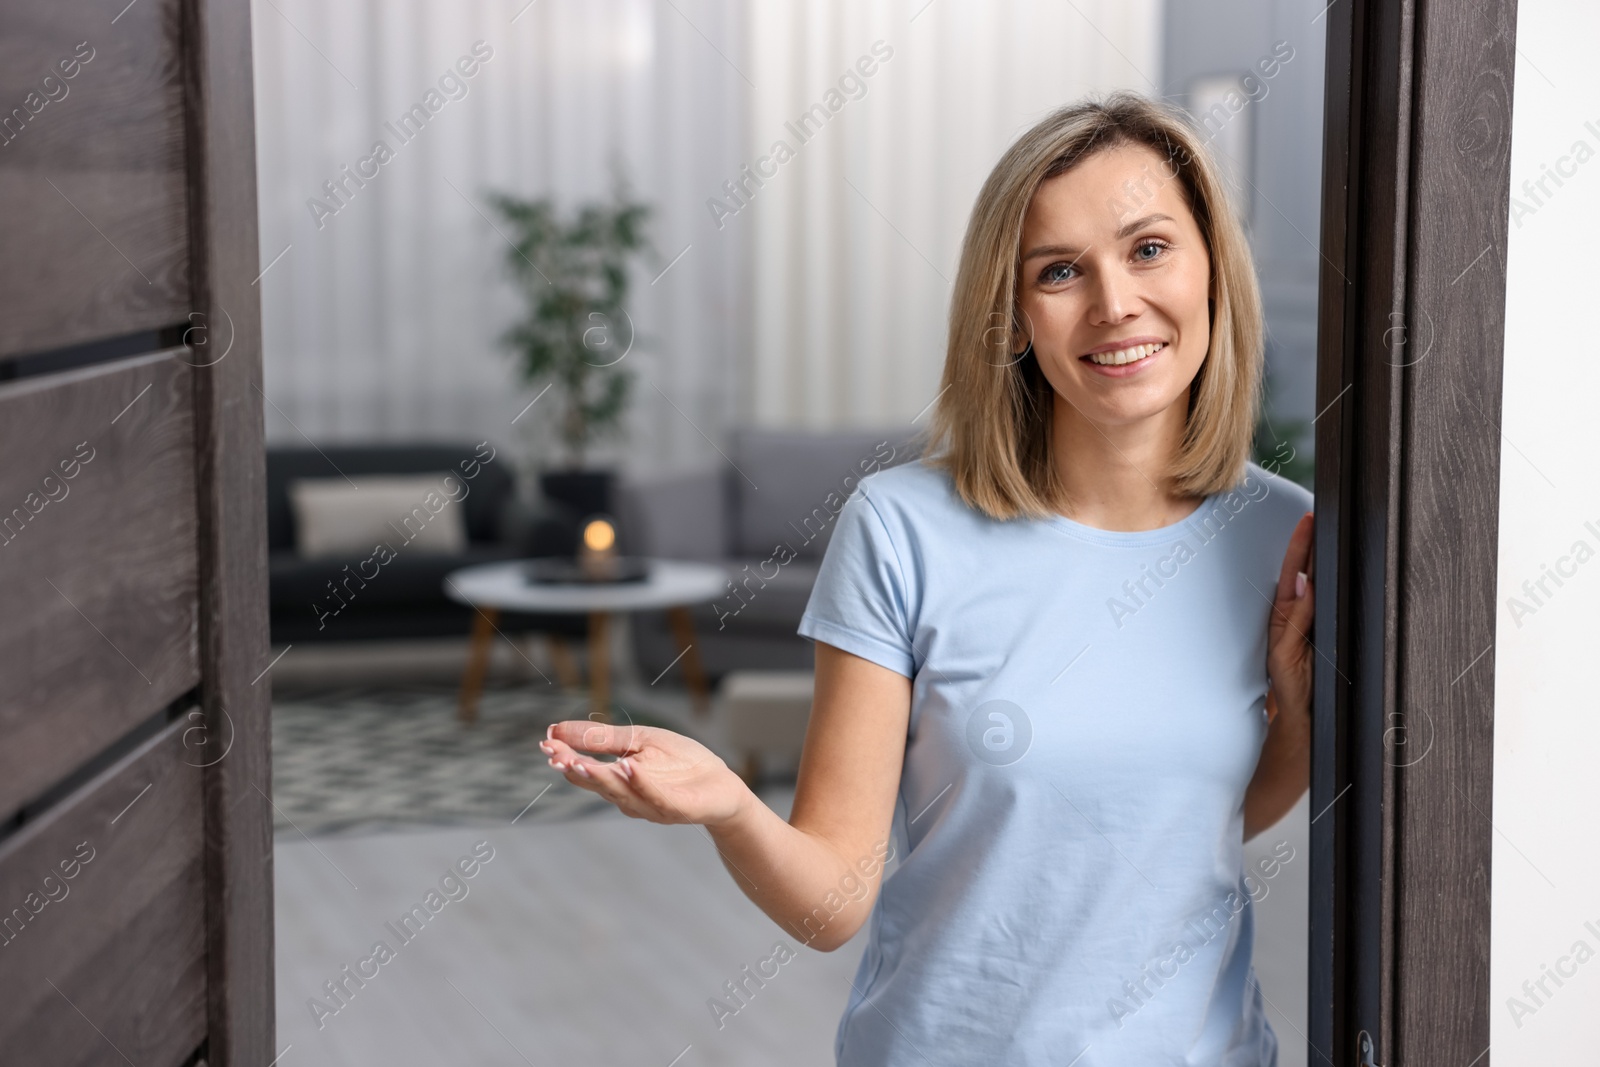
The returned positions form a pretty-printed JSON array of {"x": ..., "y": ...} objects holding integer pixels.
[{"x": 1365, "y": 1050}]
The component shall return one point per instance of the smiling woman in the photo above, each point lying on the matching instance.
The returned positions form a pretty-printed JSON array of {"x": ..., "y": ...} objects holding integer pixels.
[
  {"x": 1102, "y": 244},
  {"x": 1069, "y": 797}
]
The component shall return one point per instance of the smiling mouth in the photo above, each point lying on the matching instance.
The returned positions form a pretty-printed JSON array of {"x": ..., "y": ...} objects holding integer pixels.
[{"x": 1121, "y": 356}]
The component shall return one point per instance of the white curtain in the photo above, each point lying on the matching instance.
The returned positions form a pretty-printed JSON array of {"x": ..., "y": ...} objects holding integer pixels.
[
  {"x": 382, "y": 323},
  {"x": 815, "y": 299},
  {"x": 856, "y": 238}
]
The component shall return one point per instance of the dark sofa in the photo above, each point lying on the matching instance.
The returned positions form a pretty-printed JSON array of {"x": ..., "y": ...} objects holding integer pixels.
[{"x": 407, "y": 598}]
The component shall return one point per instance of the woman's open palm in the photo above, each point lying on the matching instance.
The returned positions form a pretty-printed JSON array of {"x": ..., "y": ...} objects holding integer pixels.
[{"x": 658, "y": 775}]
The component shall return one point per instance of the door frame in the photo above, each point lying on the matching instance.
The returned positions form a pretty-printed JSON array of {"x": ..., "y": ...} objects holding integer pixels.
[
  {"x": 1411, "y": 323},
  {"x": 224, "y": 336}
]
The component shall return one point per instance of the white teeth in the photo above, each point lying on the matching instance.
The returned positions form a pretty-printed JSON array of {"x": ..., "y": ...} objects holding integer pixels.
[{"x": 1125, "y": 355}]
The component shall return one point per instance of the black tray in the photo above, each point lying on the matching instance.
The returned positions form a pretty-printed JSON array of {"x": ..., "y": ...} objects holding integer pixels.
[{"x": 560, "y": 570}]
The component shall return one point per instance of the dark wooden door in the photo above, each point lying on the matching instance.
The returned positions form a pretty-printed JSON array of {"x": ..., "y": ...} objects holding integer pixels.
[
  {"x": 135, "y": 825},
  {"x": 1416, "y": 188}
]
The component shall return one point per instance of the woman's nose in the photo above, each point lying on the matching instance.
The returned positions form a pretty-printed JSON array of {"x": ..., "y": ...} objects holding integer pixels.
[{"x": 1115, "y": 296}]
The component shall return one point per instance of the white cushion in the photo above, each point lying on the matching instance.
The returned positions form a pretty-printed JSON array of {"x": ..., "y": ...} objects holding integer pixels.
[{"x": 409, "y": 513}]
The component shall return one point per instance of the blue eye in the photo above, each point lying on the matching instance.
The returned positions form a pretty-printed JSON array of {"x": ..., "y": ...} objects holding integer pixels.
[
  {"x": 1056, "y": 273},
  {"x": 1159, "y": 246},
  {"x": 1048, "y": 276}
]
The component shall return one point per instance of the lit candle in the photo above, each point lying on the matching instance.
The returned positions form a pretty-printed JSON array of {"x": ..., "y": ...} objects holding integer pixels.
[{"x": 597, "y": 549}]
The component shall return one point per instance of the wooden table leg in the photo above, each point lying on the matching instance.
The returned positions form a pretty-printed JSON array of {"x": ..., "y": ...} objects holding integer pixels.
[
  {"x": 599, "y": 666},
  {"x": 483, "y": 627},
  {"x": 694, "y": 675},
  {"x": 750, "y": 770},
  {"x": 561, "y": 656}
]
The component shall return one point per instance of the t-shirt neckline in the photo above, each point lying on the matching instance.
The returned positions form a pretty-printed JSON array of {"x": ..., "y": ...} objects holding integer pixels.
[{"x": 1137, "y": 538}]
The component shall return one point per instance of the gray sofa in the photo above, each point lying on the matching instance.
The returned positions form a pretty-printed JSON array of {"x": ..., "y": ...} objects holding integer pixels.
[{"x": 779, "y": 488}]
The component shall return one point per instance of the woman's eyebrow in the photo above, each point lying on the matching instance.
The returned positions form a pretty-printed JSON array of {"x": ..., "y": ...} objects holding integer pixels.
[{"x": 1126, "y": 230}]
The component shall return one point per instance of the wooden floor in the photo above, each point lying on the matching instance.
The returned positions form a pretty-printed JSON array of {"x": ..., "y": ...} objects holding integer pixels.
[{"x": 595, "y": 942}]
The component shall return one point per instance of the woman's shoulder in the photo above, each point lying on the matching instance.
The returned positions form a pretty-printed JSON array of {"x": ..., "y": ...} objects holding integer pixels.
[
  {"x": 915, "y": 503},
  {"x": 912, "y": 490},
  {"x": 1277, "y": 501}
]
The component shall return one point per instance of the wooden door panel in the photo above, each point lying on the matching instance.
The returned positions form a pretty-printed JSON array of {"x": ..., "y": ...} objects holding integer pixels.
[
  {"x": 101, "y": 566},
  {"x": 132, "y": 540},
  {"x": 102, "y": 937},
  {"x": 1416, "y": 179},
  {"x": 92, "y": 173}
]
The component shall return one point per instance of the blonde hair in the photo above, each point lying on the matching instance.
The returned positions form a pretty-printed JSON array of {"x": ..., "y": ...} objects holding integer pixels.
[{"x": 991, "y": 426}]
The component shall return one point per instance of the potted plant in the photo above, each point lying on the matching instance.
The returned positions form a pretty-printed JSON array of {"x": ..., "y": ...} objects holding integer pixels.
[{"x": 574, "y": 275}]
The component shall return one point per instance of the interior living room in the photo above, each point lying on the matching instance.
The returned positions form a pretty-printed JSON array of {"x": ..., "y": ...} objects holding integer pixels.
[
  {"x": 796, "y": 532},
  {"x": 550, "y": 281}
]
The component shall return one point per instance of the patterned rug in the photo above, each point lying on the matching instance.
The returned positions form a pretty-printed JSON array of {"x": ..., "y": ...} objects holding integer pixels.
[{"x": 364, "y": 760}]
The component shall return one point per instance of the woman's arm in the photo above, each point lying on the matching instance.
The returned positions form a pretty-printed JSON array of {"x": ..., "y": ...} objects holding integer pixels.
[
  {"x": 1284, "y": 771},
  {"x": 815, "y": 875}
]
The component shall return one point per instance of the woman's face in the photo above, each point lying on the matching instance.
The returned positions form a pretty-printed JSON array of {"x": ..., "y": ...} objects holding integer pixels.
[{"x": 1114, "y": 264}]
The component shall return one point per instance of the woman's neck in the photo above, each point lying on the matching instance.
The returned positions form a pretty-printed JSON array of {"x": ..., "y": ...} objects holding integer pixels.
[{"x": 1115, "y": 475}]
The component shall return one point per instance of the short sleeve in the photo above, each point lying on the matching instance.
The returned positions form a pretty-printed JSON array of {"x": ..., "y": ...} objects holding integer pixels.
[{"x": 859, "y": 601}]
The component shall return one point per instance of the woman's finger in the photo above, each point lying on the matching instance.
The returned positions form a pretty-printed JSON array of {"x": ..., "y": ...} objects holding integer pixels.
[
  {"x": 594, "y": 775},
  {"x": 567, "y": 756},
  {"x": 563, "y": 756},
  {"x": 1296, "y": 559},
  {"x": 1305, "y": 609},
  {"x": 1292, "y": 641},
  {"x": 609, "y": 738},
  {"x": 559, "y": 749},
  {"x": 612, "y": 779}
]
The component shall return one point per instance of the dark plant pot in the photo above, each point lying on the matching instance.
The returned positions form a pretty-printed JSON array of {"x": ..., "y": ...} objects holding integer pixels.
[{"x": 585, "y": 491}]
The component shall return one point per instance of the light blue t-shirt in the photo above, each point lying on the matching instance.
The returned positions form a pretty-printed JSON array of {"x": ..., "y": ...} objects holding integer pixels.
[{"x": 1088, "y": 707}]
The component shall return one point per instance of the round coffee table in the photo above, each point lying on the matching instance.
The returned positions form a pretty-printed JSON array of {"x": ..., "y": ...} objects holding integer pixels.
[{"x": 672, "y": 585}]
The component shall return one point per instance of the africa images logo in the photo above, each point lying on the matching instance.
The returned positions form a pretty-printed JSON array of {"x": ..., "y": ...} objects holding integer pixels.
[{"x": 999, "y": 732}]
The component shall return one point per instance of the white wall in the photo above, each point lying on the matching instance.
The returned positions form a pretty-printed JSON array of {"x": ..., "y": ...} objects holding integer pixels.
[
  {"x": 1546, "y": 873},
  {"x": 1278, "y": 138}
]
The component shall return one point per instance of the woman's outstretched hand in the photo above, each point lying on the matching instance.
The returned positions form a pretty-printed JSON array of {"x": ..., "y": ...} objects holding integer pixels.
[
  {"x": 658, "y": 775},
  {"x": 1289, "y": 649}
]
